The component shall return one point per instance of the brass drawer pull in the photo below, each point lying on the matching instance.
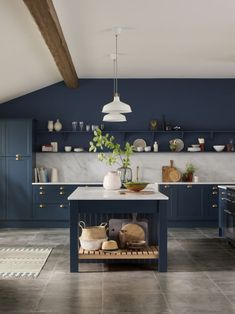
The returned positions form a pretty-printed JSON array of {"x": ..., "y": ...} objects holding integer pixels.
[
  {"x": 41, "y": 188},
  {"x": 214, "y": 193},
  {"x": 18, "y": 157},
  {"x": 189, "y": 186},
  {"x": 215, "y": 188},
  {"x": 62, "y": 206},
  {"x": 214, "y": 205},
  {"x": 42, "y": 206},
  {"x": 61, "y": 193},
  {"x": 223, "y": 193},
  {"x": 42, "y": 193},
  {"x": 61, "y": 188},
  {"x": 166, "y": 186}
]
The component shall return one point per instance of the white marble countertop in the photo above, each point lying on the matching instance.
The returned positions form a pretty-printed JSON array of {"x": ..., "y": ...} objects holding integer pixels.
[
  {"x": 94, "y": 193},
  {"x": 67, "y": 183},
  {"x": 224, "y": 183}
]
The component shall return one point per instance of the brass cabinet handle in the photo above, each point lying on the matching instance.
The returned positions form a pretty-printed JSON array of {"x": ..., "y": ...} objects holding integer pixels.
[
  {"x": 61, "y": 188},
  {"x": 61, "y": 192},
  {"x": 18, "y": 157},
  {"x": 166, "y": 186},
  {"x": 189, "y": 186},
  {"x": 223, "y": 193},
  {"x": 42, "y": 193},
  {"x": 42, "y": 206},
  {"x": 62, "y": 206},
  {"x": 214, "y": 193},
  {"x": 215, "y": 188},
  {"x": 41, "y": 188},
  {"x": 214, "y": 205}
]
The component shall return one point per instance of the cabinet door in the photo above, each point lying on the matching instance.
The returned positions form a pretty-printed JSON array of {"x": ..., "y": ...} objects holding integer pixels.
[
  {"x": 19, "y": 188},
  {"x": 189, "y": 202},
  {"x": 170, "y": 191},
  {"x": 2, "y": 188},
  {"x": 18, "y": 137},
  {"x": 2, "y": 138},
  {"x": 210, "y": 202}
]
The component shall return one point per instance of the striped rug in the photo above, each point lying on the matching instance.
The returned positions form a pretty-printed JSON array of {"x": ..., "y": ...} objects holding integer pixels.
[{"x": 22, "y": 262}]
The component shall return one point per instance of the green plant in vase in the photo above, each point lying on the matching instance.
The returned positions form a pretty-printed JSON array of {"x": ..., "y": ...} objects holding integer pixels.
[
  {"x": 189, "y": 172},
  {"x": 116, "y": 154}
]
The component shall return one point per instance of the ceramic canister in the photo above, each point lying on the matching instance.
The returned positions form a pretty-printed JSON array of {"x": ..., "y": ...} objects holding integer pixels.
[{"x": 112, "y": 181}]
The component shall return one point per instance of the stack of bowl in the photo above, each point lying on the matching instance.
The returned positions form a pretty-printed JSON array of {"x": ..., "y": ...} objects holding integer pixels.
[{"x": 92, "y": 237}]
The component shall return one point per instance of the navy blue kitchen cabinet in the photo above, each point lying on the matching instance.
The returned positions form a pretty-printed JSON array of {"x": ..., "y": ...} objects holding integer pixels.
[
  {"x": 189, "y": 202},
  {"x": 171, "y": 191},
  {"x": 191, "y": 205},
  {"x": 222, "y": 207},
  {"x": 18, "y": 137},
  {"x": 210, "y": 202},
  {"x": 19, "y": 188},
  {"x": 51, "y": 202},
  {"x": 2, "y": 138},
  {"x": 16, "y": 163},
  {"x": 2, "y": 188}
]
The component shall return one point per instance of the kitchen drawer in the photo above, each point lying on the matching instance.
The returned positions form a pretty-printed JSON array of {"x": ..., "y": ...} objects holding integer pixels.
[
  {"x": 51, "y": 211},
  {"x": 52, "y": 194}
]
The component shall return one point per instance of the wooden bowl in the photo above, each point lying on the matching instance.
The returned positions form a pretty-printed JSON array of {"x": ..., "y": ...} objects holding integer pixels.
[{"x": 135, "y": 186}]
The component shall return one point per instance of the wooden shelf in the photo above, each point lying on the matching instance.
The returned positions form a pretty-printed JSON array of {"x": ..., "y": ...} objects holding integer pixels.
[{"x": 150, "y": 252}]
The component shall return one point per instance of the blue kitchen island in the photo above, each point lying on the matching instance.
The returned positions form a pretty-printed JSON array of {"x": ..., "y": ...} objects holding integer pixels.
[{"x": 95, "y": 200}]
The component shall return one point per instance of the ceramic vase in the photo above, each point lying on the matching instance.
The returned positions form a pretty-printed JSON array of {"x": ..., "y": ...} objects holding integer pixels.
[
  {"x": 57, "y": 126},
  {"x": 112, "y": 181},
  {"x": 50, "y": 126}
]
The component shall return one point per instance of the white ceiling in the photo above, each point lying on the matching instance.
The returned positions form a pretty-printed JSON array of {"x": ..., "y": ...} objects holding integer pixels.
[{"x": 161, "y": 39}]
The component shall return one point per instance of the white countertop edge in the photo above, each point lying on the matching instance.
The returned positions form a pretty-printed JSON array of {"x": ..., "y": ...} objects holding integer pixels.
[
  {"x": 67, "y": 183},
  {"x": 100, "y": 194},
  {"x": 220, "y": 183}
]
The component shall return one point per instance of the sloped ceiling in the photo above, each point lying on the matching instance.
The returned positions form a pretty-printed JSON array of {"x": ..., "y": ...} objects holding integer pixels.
[{"x": 161, "y": 38}]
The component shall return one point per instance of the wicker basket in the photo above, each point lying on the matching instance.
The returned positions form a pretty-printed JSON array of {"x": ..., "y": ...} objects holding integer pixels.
[{"x": 93, "y": 232}]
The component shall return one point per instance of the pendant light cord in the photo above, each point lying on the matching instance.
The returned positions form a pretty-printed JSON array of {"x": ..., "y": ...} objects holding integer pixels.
[{"x": 116, "y": 65}]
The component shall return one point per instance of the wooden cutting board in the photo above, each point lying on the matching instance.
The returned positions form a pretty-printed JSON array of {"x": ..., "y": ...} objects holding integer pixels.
[
  {"x": 170, "y": 173},
  {"x": 166, "y": 171}
]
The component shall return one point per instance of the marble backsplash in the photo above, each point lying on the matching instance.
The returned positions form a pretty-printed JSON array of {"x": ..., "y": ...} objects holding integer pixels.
[{"x": 85, "y": 167}]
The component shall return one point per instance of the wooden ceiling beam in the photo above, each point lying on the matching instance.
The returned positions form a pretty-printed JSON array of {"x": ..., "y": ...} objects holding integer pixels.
[{"x": 44, "y": 14}]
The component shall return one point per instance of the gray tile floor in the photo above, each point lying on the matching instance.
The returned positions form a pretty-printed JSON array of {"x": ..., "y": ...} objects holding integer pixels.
[{"x": 201, "y": 279}]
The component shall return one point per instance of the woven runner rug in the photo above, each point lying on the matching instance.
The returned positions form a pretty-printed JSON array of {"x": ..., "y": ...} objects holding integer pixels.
[{"x": 22, "y": 262}]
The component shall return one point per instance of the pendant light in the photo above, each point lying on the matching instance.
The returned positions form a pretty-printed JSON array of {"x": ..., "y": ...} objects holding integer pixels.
[{"x": 115, "y": 108}]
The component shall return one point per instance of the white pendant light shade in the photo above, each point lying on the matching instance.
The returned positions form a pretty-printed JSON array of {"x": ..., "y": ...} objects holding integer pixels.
[
  {"x": 116, "y": 106},
  {"x": 114, "y": 117}
]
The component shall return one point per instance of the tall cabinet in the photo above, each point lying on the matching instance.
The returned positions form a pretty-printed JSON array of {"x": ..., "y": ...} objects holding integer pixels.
[{"x": 16, "y": 164}]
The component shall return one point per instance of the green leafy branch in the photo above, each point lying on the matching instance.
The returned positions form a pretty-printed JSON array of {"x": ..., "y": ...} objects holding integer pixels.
[{"x": 117, "y": 155}]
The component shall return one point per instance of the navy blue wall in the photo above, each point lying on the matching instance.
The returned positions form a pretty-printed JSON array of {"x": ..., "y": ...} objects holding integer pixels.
[{"x": 191, "y": 103}]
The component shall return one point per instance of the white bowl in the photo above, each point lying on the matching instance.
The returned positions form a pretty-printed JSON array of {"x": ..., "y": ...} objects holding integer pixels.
[
  {"x": 68, "y": 148},
  {"x": 219, "y": 148},
  {"x": 91, "y": 244},
  {"x": 147, "y": 149}
]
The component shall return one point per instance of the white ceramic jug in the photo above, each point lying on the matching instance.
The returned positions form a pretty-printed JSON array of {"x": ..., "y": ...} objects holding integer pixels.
[{"x": 112, "y": 181}]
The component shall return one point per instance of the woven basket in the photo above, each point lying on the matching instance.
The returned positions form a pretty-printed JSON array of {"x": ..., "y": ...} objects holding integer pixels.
[{"x": 93, "y": 232}]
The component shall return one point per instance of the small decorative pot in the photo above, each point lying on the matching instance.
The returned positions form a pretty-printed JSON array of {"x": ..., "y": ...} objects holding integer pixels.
[
  {"x": 112, "y": 181},
  {"x": 50, "y": 126},
  {"x": 57, "y": 126}
]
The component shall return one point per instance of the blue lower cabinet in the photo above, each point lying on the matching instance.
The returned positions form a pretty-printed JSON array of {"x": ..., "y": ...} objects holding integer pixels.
[
  {"x": 19, "y": 188},
  {"x": 222, "y": 207},
  {"x": 2, "y": 188},
  {"x": 2, "y": 138},
  {"x": 210, "y": 202},
  {"x": 55, "y": 212},
  {"x": 189, "y": 202},
  {"x": 191, "y": 205},
  {"x": 51, "y": 202}
]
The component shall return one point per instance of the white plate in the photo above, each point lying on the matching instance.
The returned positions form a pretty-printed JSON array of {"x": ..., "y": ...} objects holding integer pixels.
[
  {"x": 78, "y": 150},
  {"x": 179, "y": 144},
  {"x": 139, "y": 142},
  {"x": 194, "y": 149}
]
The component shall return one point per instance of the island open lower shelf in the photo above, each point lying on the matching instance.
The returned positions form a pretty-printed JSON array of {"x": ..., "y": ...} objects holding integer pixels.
[{"x": 150, "y": 252}]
